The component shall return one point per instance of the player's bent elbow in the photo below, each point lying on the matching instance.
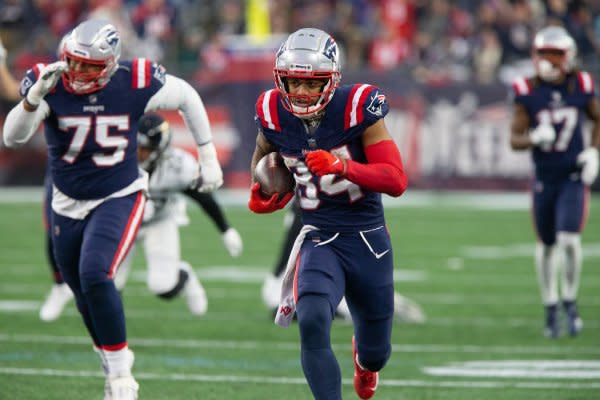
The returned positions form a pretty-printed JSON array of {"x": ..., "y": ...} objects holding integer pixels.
[{"x": 398, "y": 186}]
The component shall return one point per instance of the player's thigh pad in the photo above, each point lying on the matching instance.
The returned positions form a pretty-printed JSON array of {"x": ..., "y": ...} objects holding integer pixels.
[
  {"x": 319, "y": 269},
  {"x": 163, "y": 253},
  {"x": 108, "y": 236},
  {"x": 544, "y": 211},
  {"x": 571, "y": 207}
]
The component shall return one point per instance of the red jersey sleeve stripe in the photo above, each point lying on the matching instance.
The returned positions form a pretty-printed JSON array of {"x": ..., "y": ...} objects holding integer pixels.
[
  {"x": 521, "y": 87},
  {"x": 586, "y": 83},
  {"x": 140, "y": 74},
  {"x": 37, "y": 68},
  {"x": 266, "y": 108},
  {"x": 353, "y": 114}
]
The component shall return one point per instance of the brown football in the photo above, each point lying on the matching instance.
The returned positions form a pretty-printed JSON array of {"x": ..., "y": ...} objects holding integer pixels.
[{"x": 273, "y": 175}]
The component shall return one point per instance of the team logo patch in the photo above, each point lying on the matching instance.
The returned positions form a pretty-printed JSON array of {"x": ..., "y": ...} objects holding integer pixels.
[
  {"x": 25, "y": 85},
  {"x": 377, "y": 102},
  {"x": 159, "y": 73}
]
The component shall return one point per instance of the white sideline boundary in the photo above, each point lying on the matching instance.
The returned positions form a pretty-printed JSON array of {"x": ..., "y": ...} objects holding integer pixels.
[
  {"x": 301, "y": 381},
  {"x": 412, "y": 198}
]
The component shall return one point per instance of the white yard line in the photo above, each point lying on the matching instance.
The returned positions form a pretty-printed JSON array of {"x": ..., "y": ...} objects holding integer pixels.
[
  {"x": 293, "y": 346},
  {"x": 301, "y": 381}
]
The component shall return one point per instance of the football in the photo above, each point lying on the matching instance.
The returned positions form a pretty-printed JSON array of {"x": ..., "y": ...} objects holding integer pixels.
[{"x": 273, "y": 175}]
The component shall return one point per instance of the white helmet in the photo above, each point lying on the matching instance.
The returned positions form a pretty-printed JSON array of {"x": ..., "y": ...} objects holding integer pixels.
[
  {"x": 308, "y": 53},
  {"x": 95, "y": 42},
  {"x": 553, "y": 38}
]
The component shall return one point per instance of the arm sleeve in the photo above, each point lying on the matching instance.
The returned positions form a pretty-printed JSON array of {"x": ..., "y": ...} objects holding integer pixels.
[
  {"x": 384, "y": 171},
  {"x": 20, "y": 125},
  {"x": 178, "y": 94}
]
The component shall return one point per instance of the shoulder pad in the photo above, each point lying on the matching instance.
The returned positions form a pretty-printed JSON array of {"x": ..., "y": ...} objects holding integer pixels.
[
  {"x": 266, "y": 109},
  {"x": 142, "y": 72},
  {"x": 522, "y": 86},
  {"x": 586, "y": 82},
  {"x": 364, "y": 102}
]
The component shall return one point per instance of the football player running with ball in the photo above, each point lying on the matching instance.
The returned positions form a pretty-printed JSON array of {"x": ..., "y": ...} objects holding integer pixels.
[
  {"x": 334, "y": 140},
  {"x": 90, "y": 103},
  {"x": 548, "y": 117}
]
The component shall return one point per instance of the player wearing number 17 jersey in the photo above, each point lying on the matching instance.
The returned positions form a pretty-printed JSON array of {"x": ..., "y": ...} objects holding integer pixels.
[
  {"x": 334, "y": 141},
  {"x": 90, "y": 104},
  {"x": 548, "y": 118}
]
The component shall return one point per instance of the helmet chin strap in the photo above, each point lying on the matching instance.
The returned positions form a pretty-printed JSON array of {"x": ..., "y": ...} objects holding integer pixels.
[{"x": 548, "y": 71}]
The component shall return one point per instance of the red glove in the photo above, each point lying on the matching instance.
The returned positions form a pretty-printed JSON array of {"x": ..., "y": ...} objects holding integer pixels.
[
  {"x": 261, "y": 205},
  {"x": 322, "y": 162}
]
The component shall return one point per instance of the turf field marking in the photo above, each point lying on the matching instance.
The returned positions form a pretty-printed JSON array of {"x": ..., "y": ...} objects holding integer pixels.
[
  {"x": 553, "y": 369},
  {"x": 293, "y": 346},
  {"x": 517, "y": 250},
  {"x": 301, "y": 381},
  {"x": 18, "y": 305}
]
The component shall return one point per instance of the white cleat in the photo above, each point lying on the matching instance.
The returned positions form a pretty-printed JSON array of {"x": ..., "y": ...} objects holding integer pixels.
[
  {"x": 55, "y": 303},
  {"x": 194, "y": 293},
  {"x": 233, "y": 242},
  {"x": 271, "y": 290},
  {"x": 407, "y": 310},
  {"x": 343, "y": 311},
  {"x": 122, "y": 388},
  {"x": 107, "y": 383}
]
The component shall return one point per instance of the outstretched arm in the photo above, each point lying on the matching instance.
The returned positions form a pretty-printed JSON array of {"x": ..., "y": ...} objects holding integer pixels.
[{"x": 210, "y": 206}]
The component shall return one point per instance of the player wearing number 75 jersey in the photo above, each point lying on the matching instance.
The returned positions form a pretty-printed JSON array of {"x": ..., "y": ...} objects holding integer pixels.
[
  {"x": 548, "y": 118},
  {"x": 90, "y": 103},
  {"x": 334, "y": 141}
]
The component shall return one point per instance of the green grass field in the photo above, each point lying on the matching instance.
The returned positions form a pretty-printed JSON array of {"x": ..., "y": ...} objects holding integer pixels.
[{"x": 470, "y": 269}]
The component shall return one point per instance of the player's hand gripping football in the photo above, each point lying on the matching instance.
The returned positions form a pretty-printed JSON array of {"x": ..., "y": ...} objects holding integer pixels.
[
  {"x": 321, "y": 162},
  {"x": 49, "y": 75},
  {"x": 211, "y": 175},
  {"x": 262, "y": 205},
  {"x": 543, "y": 135},
  {"x": 588, "y": 159}
]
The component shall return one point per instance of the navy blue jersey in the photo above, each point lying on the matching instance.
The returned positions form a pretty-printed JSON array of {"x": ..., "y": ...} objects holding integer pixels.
[
  {"x": 562, "y": 105},
  {"x": 328, "y": 202},
  {"x": 92, "y": 138}
]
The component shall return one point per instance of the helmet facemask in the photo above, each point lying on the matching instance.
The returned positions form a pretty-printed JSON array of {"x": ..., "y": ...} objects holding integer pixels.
[
  {"x": 307, "y": 105},
  {"x": 90, "y": 76}
]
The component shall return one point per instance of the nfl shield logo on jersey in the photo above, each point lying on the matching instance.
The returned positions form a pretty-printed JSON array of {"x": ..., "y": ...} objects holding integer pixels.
[{"x": 377, "y": 102}]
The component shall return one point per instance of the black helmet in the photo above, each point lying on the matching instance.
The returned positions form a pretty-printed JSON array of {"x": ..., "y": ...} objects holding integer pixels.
[{"x": 153, "y": 134}]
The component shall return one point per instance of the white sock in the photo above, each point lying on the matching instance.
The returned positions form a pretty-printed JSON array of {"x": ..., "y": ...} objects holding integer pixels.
[
  {"x": 570, "y": 246},
  {"x": 546, "y": 268},
  {"x": 118, "y": 362}
]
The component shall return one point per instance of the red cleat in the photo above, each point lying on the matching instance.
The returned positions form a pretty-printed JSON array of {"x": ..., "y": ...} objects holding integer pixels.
[{"x": 365, "y": 382}]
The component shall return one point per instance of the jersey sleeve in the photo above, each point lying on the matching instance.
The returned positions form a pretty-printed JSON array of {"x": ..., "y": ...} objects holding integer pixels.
[
  {"x": 365, "y": 105},
  {"x": 586, "y": 84},
  {"x": 267, "y": 114},
  {"x": 31, "y": 76},
  {"x": 147, "y": 75},
  {"x": 521, "y": 88}
]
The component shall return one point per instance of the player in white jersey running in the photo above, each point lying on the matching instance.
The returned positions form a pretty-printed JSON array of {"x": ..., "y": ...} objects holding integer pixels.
[{"x": 173, "y": 175}]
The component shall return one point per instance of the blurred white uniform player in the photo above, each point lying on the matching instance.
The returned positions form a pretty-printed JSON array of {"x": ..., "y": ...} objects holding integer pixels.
[{"x": 173, "y": 175}]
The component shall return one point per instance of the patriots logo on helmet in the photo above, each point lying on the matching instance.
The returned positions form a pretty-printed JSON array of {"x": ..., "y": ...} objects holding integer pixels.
[
  {"x": 330, "y": 49},
  {"x": 26, "y": 83},
  {"x": 377, "y": 102}
]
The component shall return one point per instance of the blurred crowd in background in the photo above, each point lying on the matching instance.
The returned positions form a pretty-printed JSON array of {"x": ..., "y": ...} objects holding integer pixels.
[{"x": 433, "y": 41}]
